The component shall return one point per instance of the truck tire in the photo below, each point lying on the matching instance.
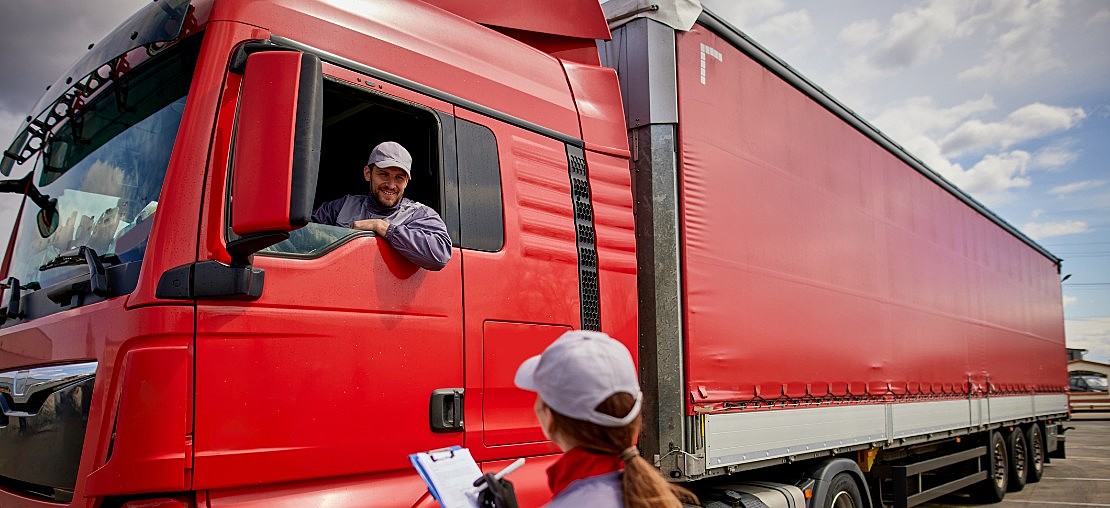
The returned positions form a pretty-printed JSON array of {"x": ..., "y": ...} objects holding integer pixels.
[
  {"x": 843, "y": 493},
  {"x": 1019, "y": 459},
  {"x": 993, "y": 488},
  {"x": 1034, "y": 441}
]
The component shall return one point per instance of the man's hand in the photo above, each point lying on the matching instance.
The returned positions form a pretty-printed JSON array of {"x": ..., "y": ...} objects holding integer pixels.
[{"x": 378, "y": 226}]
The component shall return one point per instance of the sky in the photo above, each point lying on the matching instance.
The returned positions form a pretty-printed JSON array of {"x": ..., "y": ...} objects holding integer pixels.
[{"x": 1008, "y": 99}]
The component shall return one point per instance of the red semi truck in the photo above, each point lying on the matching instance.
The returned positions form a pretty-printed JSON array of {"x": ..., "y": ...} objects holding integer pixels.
[{"x": 819, "y": 319}]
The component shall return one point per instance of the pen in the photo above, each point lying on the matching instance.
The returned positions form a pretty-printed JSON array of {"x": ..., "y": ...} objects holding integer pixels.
[{"x": 480, "y": 482}]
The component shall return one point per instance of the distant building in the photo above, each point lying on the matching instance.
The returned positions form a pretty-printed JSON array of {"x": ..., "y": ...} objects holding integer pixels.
[
  {"x": 1085, "y": 367},
  {"x": 1076, "y": 354}
]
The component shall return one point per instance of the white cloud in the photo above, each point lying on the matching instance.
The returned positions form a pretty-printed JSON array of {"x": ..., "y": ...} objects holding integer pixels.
[
  {"x": 741, "y": 13},
  {"x": 1102, "y": 17},
  {"x": 920, "y": 34},
  {"x": 790, "y": 26},
  {"x": 1028, "y": 122},
  {"x": 1054, "y": 157},
  {"x": 995, "y": 173},
  {"x": 1041, "y": 230},
  {"x": 1092, "y": 334},
  {"x": 1025, "y": 50},
  {"x": 860, "y": 33},
  {"x": 1070, "y": 300},
  {"x": 920, "y": 116},
  {"x": 1064, "y": 190}
]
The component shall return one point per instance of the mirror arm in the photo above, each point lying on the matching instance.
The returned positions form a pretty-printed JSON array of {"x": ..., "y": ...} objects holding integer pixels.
[
  {"x": 24, "y": 186},
  {"x": 243, "y": 247}
]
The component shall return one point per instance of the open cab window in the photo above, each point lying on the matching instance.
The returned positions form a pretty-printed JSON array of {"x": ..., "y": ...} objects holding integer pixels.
[{"x": 354, "y": 122}]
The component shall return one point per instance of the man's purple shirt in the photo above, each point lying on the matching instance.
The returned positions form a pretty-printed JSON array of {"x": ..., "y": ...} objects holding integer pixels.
[{"x": 415, "y": 230}]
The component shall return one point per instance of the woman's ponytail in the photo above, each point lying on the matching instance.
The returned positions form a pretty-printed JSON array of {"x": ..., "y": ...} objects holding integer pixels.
[
  {"x": 644, "y": 487},
  {"x": 642, "y": 484}
]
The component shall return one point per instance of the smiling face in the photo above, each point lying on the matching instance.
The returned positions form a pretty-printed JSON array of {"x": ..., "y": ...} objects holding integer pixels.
[{"x": 387, "y": 185}]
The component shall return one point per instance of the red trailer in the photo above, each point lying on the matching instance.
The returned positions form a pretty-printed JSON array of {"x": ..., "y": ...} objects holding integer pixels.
[
  {"x": 816, "y": 315},
  {"x": 813, "y": 289}
]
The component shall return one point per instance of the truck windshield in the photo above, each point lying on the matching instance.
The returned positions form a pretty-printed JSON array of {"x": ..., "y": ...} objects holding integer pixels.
[{"x": 105, "y": 166}]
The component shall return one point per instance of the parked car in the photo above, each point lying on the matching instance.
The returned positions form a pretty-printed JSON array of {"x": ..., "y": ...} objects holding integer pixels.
[{"x": 1087, "y": 383}]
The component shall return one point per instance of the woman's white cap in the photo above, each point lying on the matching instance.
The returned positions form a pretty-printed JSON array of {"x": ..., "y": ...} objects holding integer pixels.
[{"x": 578, "y": 372}]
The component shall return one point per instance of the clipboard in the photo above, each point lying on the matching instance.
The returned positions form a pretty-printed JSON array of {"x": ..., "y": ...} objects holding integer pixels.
[{"x": 450, "y": 474}]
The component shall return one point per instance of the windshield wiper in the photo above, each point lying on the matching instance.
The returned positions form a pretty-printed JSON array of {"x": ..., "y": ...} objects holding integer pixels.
[
  {"x": 80, "y": 256},
  {"x": 14, "y": 297},
  {"x": 97, "y": 279}
]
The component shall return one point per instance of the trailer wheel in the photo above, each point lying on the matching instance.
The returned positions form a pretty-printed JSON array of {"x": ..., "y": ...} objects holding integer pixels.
[
  {"x": 1019, "y": 459},
  {"x": 993, "y": 488},
  {"x": 1034, "y": 441},
  {"x": 843, "y": 493}
]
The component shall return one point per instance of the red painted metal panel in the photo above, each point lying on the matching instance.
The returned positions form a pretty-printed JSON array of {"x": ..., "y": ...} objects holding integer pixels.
[
  {"x": 814, "y": 257},
  {"x": 316, "y": 377},
  {"x": 402, "y": 488},
  {"x": 399, "y": 489},
  {"x": 148, "y": 446},
  {"x": 598, "y": 98},
  {"x": 142, "y": 384},
  {"x": 611, "y": 193},
  {"x": 507, "y": 411},
  {"x": 579, "y": 18},
  {"x": 531, "y": 280},
  {"x": 427, "y": 45}
]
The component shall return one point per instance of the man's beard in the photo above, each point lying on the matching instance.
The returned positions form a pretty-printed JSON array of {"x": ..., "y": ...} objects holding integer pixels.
[{"x": 385, "y": 199}]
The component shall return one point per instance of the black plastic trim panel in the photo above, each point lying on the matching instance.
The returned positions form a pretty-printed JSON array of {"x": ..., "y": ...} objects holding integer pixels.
[
  {"x": 211, "y": 280},
  {"x": 122, "y": 279},
  {"x": 586, "y": 239}
]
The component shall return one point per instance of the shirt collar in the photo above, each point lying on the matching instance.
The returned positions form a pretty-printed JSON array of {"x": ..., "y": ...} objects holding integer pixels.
[{"x": 577, "y": 464}]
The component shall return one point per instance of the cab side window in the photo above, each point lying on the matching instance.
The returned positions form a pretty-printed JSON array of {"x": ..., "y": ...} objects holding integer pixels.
[{"x": 481, "y": 218}]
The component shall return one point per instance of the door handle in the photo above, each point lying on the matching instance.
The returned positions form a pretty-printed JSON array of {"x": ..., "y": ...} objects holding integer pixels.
[{"x": 446, "y": 410}]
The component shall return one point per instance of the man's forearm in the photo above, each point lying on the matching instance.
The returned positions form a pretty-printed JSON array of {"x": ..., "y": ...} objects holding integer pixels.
[
  {"x": 429, "y": 249},
  {"x": 379, "y": 226}
]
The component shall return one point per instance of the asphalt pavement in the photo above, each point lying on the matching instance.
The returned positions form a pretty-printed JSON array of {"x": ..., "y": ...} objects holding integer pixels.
[{"x": 1080, "y": 480}]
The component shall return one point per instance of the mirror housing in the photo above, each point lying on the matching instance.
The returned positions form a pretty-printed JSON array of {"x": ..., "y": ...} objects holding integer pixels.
[
  {"x": 47, "y": 221},
  {"x": 276, "y": 156}
]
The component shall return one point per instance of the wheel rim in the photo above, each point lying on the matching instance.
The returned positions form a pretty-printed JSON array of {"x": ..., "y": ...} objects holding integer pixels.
[
  {"x": 1036, "y": 448},
  {"x": 1000, "y": 465},
  {"x": 842, "y": 500}
]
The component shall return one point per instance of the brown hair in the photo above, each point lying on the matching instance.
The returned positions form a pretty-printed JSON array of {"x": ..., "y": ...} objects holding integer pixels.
[{"x": 642, "y": 484}]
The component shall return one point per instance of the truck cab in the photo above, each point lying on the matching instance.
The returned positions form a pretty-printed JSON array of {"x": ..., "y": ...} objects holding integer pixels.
[{"x": 177, "y": 330}]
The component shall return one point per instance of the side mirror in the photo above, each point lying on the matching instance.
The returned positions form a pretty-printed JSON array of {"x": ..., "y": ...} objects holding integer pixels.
[
  {"x": 277, "y": 149},
  {"x": 47, "y": 221}
]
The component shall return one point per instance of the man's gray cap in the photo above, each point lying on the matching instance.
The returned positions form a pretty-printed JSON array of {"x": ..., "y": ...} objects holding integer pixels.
[
  {"x": 579, "y": 371},
  {"x": 391, "y": 154}
]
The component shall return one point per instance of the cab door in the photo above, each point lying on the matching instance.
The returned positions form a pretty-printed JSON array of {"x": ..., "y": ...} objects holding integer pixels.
[
  {"x": 338, "y": 367},
  {"x": 520, "y": 272}
]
